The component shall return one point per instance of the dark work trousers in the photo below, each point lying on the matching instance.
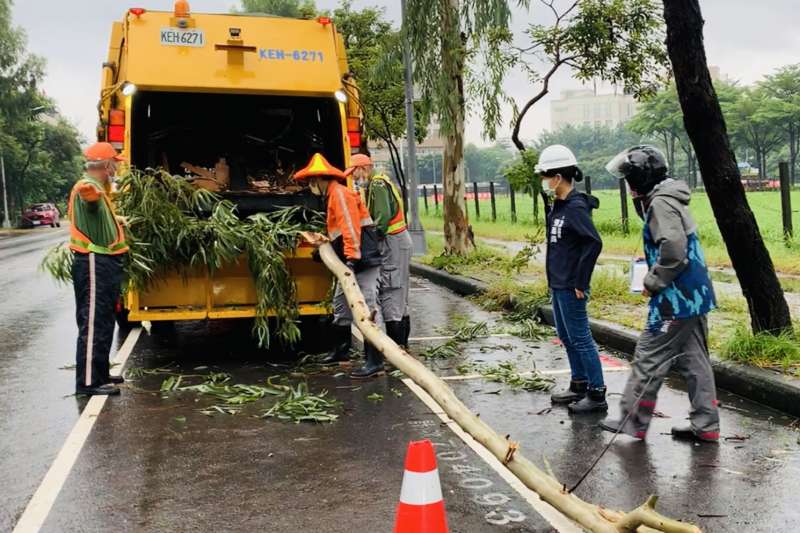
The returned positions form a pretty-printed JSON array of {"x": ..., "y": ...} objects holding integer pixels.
[{"x": 96, "y": 279}]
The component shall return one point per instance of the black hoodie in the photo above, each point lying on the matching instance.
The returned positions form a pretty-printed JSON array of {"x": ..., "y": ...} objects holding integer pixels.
[{"x": 573, "y": 244}]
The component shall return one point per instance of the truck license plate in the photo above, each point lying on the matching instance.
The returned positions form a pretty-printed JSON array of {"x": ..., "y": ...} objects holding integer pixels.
[{"x": 179, "y": 37}]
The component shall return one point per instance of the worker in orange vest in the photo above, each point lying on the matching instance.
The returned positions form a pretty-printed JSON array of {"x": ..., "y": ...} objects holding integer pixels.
[
  {"x": 97, "y": 241},
  {"x": 385, "y": 205},
  {"x": 353, "y": 236}
]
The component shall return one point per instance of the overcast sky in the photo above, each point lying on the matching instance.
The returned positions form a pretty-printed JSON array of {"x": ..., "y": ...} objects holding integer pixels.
[{"x": 745, "y": 38}]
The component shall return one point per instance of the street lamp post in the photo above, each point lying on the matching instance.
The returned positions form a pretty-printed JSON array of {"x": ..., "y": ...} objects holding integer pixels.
[
  {"x": 6, "y": 221},
  {"x": 415, "y": 226}
]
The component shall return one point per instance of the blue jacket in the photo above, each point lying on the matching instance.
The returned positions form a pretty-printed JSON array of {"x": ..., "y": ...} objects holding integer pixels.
[
  {"x": 573, "y": 244},
  {"x": 678, "y": 278}
]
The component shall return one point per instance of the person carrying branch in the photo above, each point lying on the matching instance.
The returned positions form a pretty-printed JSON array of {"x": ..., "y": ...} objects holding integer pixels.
[
  {"x": 97, "y": 241},
  {"x": 355, "y": 240},
  {"x": 573, "y": 246},
  {"x": 385, "y": 205},
  {"x": 681, "y": 295}
]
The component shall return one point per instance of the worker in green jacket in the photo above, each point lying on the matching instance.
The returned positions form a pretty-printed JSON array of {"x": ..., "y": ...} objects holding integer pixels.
[{"x": 385, "y": 206}]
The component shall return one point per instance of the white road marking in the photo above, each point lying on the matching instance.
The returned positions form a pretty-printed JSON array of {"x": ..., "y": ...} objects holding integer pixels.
[
  {"x": 547, "y": 511},
  {"x": 45, "y": 496}
]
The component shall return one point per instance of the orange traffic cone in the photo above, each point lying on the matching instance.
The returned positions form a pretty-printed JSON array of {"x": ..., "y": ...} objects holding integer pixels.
[{"x": 421, "y": 508}]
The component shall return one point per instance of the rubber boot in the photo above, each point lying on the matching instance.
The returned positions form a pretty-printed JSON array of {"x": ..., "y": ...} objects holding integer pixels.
[
  {"x": 373, "y": 365},
  {"x": 406, "y": 330},
  {"x": 613, "y": 426},
  {"x": 342, "y": 338},
  {"x": 395, "y": 331},
  {"x": 593, "y": 402},
  {"x": 576, "y": 392},
  {"x": 687, "y": 433}
]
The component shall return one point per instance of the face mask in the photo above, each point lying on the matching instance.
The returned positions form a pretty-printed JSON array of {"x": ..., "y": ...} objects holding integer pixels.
[{"x": 553, "y": 183}]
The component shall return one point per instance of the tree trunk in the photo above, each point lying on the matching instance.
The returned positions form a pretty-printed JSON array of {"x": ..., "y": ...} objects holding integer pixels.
[
  {"x": 591, "y": 517},
  {"x": 454, "y": 206},
  {"x": 706, "y": 127}
]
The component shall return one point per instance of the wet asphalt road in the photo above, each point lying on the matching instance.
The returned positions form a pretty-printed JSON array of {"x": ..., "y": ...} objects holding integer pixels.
[{"x": 153, "y": 462}]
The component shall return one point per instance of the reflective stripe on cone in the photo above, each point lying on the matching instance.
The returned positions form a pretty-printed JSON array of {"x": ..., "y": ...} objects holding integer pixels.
[{"x": 421, "y": 508}]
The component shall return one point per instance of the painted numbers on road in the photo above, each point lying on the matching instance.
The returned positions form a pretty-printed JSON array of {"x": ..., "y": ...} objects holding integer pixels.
[
  {"x": 452, "y": 459},
  {"x": 303, "y": 56}
]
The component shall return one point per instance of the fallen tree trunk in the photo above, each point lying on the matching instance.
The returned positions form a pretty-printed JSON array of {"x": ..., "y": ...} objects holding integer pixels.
[{"x": 589, "y": 516}]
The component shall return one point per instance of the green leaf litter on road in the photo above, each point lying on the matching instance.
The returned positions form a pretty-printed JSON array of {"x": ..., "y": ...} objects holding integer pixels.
[
  {"x": 300, "y": 405},
  {"x": 508, "y": 374}
]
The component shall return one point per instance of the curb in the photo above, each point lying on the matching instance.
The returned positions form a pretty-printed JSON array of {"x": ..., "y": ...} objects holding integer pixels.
[{"x": 775, "y": 390}]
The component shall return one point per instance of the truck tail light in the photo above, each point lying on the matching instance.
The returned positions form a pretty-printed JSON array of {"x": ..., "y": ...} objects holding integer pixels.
[
  {"x": 182, "y": 9},
  {"x": 116, "y": 127},
  {"x": 354, "y": 132},
  {"x": 138, "y": 11},
  {"x": 325, "y": 21}
]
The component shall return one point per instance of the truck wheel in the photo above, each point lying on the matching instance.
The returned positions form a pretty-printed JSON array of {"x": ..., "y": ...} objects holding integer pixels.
[{"x": 53, "y": 225}]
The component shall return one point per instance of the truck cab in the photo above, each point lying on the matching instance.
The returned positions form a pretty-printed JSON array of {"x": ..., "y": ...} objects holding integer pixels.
[{"x": 257, "y": 94}]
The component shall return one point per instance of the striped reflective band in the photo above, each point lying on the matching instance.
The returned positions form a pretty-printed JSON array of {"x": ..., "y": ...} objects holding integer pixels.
[
  {"x": 421, "y": 488},
  {"x": 90, "y": 247}
]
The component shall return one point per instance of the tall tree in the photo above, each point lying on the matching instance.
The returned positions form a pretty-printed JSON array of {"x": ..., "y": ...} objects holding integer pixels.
[
  {"x": 783, "y": 88},
  {"x": 753, "y": 125},
  {"x": 454, "y": 43},
  {"x": 374, "y": 53},
  {"x": 620, "y": 41},
  {"x": 706, "y": 127}
]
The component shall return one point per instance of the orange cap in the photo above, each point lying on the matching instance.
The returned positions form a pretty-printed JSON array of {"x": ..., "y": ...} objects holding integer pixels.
[
  {"x": 319, "y": 166},
  {"x": 358, "y": 160},
  {"x": 101, "y": 152}
]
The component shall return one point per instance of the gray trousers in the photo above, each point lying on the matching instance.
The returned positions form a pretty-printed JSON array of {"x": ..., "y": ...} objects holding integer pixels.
[
  {"x": 368, "y": 283},
  {"x": 395, "y": 273},
  {"x": 678, "y": 344}
]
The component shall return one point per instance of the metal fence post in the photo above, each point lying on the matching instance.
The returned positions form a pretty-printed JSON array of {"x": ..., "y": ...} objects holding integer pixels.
[
  {"x": 494, "y": 206},
  {"x": 623, "y": 198},
  {"x": 786, "y": 201},
  {"x": 588, "y": 185},
  {"x": 513, "y": 203},
  {"x": 477, "y": 204},
  {"x": 436, "y": 197},
  {"x": 425, "y": 197}
]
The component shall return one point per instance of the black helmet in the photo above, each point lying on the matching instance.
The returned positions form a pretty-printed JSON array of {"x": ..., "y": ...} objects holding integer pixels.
[{"x": 643, "y": 167}]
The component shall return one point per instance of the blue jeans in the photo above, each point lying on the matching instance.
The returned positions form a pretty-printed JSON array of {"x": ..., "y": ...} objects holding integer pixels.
[{"x": 572, "y": 326}]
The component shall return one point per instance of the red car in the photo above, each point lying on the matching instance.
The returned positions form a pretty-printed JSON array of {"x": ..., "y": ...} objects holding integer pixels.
[{"x": 41, "y": 215}]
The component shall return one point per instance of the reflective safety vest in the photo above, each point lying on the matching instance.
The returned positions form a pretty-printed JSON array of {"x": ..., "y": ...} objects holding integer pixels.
[
  {"x": 397, "y": 224},
  {"x": 78, "y": 241}
]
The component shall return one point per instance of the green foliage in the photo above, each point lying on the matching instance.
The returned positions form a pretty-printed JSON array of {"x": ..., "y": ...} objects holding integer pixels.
[
  {"x": 522, "y": 175},
  {"x": 508, "y": 374},
  {"x": 281, "y": 8},
  {"x": 42, "y": 158},
  {"x": 763, "y": 349},
  {"x": 300, "y": 405},
  {"x": 451, "y": 348},
  {"x": 58, "y": 263}
]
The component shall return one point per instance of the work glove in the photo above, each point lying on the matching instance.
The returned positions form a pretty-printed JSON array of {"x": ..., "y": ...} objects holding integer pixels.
[
  {"x": 315, "y": 256},
  {"x": 351, "y": 265}
]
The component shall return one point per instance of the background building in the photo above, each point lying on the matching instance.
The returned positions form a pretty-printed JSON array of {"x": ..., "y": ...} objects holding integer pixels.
[{"x": 582, "y": 107}]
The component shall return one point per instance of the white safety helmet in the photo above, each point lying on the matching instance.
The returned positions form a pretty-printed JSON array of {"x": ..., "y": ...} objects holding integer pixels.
[{"x": 555, "y": 156}]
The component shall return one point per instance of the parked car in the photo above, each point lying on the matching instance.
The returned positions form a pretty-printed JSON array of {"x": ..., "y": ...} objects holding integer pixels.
[{"x": 41, "y": 215}]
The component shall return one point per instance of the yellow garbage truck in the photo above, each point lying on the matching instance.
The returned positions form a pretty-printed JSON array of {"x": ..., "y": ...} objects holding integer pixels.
[{"x": 258, "y": 94}]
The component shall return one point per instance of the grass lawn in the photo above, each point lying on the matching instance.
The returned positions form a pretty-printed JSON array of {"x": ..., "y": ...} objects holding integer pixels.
[{"x": 765, "y": 205}]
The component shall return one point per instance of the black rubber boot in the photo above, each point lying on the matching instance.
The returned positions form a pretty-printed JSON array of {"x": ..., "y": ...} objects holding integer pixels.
[
  {"x": 373, "y": 365},
  {"x": 687, "y": 433},
  {"x": 576, "y": 392},
  {"x": 100, "y": 390},
  {"x": 406, "y": 330},
  {"x": 342, "y": 338},
  {"x": 395, "y": 331},
  {"x": 613, "y": 426},
  {"x": 116, "y": 380},
  {"x": 593, "y": 402}
]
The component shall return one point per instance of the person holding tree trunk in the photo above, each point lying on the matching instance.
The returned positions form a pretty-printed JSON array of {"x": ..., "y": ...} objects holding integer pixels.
[
  {"x": 573, "y": 246},
  {"x": 681, "y": 295},
  {"x": 354, "y": 238},
  {"x": 385, "y": 205}
]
